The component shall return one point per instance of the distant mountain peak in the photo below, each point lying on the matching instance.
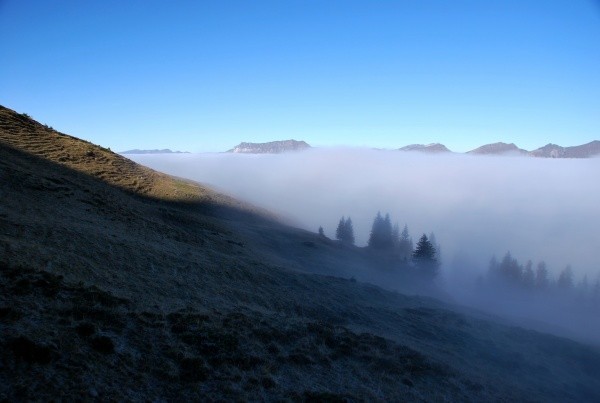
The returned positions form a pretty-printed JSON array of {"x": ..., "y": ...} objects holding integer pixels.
[
  {"x": 429, "y": 148},
  {"x": 498, "y": 148},
  {"x": 272, "y": 147},
  {"x": 550, "y": 150}
]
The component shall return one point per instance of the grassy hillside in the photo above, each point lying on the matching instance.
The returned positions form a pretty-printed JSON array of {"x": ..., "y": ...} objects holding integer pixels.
[{"x": 119, "y": 282}]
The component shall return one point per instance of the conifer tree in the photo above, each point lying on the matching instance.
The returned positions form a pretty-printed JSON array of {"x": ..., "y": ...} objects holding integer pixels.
[
  {"x": 435, "y": 245},
  {"x": 381, "y": 233},
  {"x": 510, "y": 270},
  {"x": 424, "y": 258},
  {"x": 406, "y": 244},
  {"x": 386, "y": 234},
  {"x": 396, "y": 236},
  {"x": 339, "y": 232},
  {"x": 528, "y": 275},
  {"x": 345, "y": 231},
  {"x": 565, "y": 279},
  {"x": 348, "y": 232},
  {"x": 541, "y": 276}
]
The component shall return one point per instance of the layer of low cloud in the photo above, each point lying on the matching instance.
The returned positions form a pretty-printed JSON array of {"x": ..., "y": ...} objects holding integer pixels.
[{"x": 477, "y": 206}]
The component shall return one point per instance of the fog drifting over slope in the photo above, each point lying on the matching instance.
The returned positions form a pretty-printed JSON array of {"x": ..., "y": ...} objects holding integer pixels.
[{"x": 477, "y": 206}]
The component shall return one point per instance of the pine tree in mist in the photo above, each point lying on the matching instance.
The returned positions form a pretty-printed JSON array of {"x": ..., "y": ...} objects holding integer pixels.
[
  {"x": 396, "y": 236},
  {"x": 510, "y": 270},
  {"x": 528, "y": 275},
  {"x": 321, "y": 232},
  {"x": 565, "y": 279},
  {"x": 436, "y": 245},
  {"x": 345, "y": 231},
  {"x": 375, "y": 231},
  {"x": 424, "y": 258},
  {"x": 339, "y": 232},
  {"x": 349, "y": 232},
  {"x": 381, "y": 233},
  {"x": 541, "y": 276},
  {"x": 387, "y": 232},
  {"x": 576, "y": 296},
  {"x": 405, "y": 246}
]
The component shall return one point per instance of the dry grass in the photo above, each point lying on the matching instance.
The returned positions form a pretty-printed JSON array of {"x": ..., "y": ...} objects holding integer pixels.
[{"x": 95, "y": 343}]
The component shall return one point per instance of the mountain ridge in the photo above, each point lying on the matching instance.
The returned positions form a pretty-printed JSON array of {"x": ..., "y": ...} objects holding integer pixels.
[
  {"x": 429, "y": 148},
  {"x": 498, "y": 148},
  {"x": 271, "y": 147},
  {"x": 587, "y": 150}
]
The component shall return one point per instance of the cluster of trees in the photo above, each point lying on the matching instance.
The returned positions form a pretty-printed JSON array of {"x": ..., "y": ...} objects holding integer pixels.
[
  {"x": 387, "y": 238},
  {"x": 345, "y": 231},
  {"x": 510, "y": 273}
]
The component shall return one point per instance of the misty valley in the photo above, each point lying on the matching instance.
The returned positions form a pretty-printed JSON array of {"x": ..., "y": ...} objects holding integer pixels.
[
  {"x": 339, "y": 275},
  {"x": 485, "y": 211}
]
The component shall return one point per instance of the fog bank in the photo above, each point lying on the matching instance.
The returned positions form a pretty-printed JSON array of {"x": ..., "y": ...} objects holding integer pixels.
[{"x": 477, "y": 206}]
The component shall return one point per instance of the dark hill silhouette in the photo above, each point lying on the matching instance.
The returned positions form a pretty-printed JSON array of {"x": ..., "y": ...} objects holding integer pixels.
[{"x": 118, "y": 282}]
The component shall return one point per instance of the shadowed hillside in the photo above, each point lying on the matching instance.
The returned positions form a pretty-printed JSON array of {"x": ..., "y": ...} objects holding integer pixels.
[{"x": 119, "y": 282}]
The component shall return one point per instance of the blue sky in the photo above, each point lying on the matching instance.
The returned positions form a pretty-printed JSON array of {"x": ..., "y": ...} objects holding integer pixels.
[{"x": 206, "y": 75}]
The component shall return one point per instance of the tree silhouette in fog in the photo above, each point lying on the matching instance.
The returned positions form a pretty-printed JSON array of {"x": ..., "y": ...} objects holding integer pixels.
[
  {"x": 405, "y": 244},
  {"x": 510, "y": 270},
  {"x": 381, "y": 233},
  {"x": 528, "y": 275},
  {"x": 436, "y": 245},
  {"x": 580, "y": 297},
  {"x": 345, "y": 231},
  {"x": 396, "y": 236},
  {"x": 565, "y": 279},
  {"x": 541, "y": 276},
  {"x": 424, "y": 258}
]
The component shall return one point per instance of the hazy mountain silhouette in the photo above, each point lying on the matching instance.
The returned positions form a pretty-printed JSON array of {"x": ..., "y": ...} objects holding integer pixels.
[
  {"x": 273, "y": 147},
  {"x": 548, "y": 151},
  {"x": 429, "y": 148},
  {"x": 588, "y": 150},
  {"x": 498, "y": 148}
]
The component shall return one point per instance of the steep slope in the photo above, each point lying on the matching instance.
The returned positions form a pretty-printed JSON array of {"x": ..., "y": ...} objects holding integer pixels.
[
  {"x": 121, "y": 283},
  {"x": 273, "y": 147},
  {"x": 27, "y": 135}
]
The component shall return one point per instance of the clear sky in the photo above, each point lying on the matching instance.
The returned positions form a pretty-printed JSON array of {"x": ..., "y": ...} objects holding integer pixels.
[{"x": 206, "y": 75}]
